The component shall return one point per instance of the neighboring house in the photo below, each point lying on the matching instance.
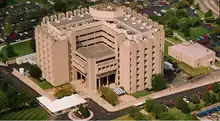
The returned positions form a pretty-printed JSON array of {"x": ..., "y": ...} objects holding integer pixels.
[{"x": 193, "y": 54}]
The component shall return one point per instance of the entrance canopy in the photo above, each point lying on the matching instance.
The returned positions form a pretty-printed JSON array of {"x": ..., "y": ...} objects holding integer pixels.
[{"x": 61, "y": 104}]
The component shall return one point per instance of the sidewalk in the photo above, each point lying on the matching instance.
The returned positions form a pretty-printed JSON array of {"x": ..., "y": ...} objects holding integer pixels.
[
  {"x": 31, "y": 84},
  {"x": 204, "y": 81}
]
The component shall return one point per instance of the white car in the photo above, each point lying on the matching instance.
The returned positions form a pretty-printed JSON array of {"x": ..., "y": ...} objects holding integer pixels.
[{"x": 186, "y": 100}]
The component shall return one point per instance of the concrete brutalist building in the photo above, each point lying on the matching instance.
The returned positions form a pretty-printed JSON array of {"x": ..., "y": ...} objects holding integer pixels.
[{"x": 102, "y": 44}]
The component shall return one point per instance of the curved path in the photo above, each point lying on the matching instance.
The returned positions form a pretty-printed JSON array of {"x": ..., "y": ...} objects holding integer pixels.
[{"x": 209, "y": 5}]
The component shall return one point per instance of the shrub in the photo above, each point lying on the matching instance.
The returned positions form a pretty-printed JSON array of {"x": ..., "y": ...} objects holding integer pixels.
[
  {"x": 195, "y": 99},
  {"x": 109, "y": 95},
  {"x": 84, "y": 111}
]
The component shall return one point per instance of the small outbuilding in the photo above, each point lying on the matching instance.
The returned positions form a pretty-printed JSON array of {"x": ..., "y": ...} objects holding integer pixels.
[
  {"x": 63, "y": 105},
  {"x": 193, "y": 54}
]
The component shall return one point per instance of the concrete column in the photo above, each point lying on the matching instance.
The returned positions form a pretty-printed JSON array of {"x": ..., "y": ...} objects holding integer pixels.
[
  {"x": 99, "y": 82},
  {"x": 80, "y": 76},
  {"x": 107, "y": 80}
]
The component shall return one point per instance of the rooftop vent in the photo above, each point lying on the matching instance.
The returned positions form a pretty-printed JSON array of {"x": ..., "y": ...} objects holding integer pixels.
[
  {"x": 81, "y": 16},
  {"x": 144, "y": 24},
  {"x": 133, "y": 23},
  {"x": 57, "y": 21},
  {"x": 125, "y": 19},
  {"x": 133, "y": 18},
  {"x": 142, "y": 27}
]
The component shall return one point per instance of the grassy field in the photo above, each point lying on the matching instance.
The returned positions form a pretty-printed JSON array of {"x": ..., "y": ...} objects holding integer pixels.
[
  {"x": 166, "y": 45},
  {"x": 42, "y": 84},
  {"x": 194, "y": 71},
  {"x": 141, "y": 93},
  {"x": 198, "y": 31},
  {"x": 20, "y": 49},
  {"x": 26, "y": 114},
  {"x": 217, "y": 63},
  {"x": 125, "y": 117}
]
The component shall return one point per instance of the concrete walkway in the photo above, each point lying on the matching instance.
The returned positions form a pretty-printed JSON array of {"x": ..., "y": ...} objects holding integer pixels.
[
  {"x": 31, "y": 84},
  {"x": 202, "y": 81}
]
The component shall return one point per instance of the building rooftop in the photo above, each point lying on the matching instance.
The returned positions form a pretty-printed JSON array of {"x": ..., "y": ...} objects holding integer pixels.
[
  {"x": 193, "y": 50},
  {"x": 61, "y": 104},
  {"x": 96, "y": 51},
  {"x": 134, "y": 24},
  {"x": 73, "y": 19}
]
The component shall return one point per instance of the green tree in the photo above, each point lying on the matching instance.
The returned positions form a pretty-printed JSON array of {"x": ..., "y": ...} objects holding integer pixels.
[
  {"x": 158, "y": 109},
  {"x": 197, "y": 6},
  {"x": 195, "y": 99},
  {"x": 2, "y": 57},
  {"x": 35, "y": 71},
  {"x": 206, "y": 97},
  {"x": 109, "y": 95},
  {"x": 181, "y": 13},
  {"x": 84, "y": 111},
  {"x": 183, "y": 23},
  {"x": 150, "y": 104},
  {"x": 190, "y": 2},
  {"x": 209, "y": 16},
  {"x": 181, "y": 4},
  {"x": 182, "y": 105},
  {"x": 216, "y": 87},
  {"x": 133, "y": 111},
  {"x": 7, "y": 29},
  {"x": 213, "y": 99},
  {"x": 218, "y": 21},
  {"x": 194, "y": 21},
  {"x": 10, "y": 52},
  {"x": 168, "y": 32},
  {"x": 60, "y": 6},
  {"x": 186, "y": 32},
  {"x": 158, "y": 82},
  {"x": 172, "y": 22}
]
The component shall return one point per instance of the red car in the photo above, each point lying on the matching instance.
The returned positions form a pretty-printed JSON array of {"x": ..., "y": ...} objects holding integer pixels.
[
  {"x": 209, "y": 87},
  {"x": 13, "y": 36},
  {"x": 164, "y": 3},
  {"x": 206, "y": 36}
]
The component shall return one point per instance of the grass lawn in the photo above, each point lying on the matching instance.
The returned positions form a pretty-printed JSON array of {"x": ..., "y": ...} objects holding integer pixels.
[
  {"x": 26, "y": 114},
  {"x": 125, "y": 117},
  {"x": 194, "y": 71},
  {"x": 141, "y": 93},
  {"x": 217, "y": 63},
  {"x": 42, "y": 84},
  {"x": 20, "y": 49},
  {"x": 198, "y": 31},
  {"x": 166, "y": 45}
]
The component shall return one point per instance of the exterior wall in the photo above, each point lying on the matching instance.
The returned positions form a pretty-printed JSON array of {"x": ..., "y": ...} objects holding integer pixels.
[{"x": 60, "y": 63}]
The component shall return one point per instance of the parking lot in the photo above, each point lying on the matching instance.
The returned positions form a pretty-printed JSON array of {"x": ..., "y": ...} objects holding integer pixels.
[{"x": 17, "y": 22}]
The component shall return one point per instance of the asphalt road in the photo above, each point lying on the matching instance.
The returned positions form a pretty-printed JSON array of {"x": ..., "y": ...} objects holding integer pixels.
[{"x": 102, "y": 114}]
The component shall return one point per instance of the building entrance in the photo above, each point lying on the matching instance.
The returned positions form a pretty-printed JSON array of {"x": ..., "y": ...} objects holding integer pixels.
[{"x": 105, "y": 80}]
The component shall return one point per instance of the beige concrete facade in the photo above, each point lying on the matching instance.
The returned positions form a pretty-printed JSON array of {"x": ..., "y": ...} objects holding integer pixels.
[
  {"x": 102, "y": 44},
  {"x": 193, "y": 54}
]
